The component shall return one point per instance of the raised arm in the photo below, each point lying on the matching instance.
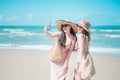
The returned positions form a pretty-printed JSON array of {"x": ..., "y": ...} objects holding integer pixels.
[{"x": 46, "y": 29}]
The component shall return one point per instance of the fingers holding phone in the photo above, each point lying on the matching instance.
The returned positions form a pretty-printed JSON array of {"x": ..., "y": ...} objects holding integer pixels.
[{"x": 47, "y": 27}]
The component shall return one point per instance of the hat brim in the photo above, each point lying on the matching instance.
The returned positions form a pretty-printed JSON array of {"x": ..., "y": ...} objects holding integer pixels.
[
  {"x": 84, "y": 26},
  {"x": 86, "y": 29},
  {"x": 60, "y": 22}
]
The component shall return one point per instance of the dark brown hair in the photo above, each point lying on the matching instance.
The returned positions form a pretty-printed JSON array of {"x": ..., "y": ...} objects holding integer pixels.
[
  {"x": 62, "y": 40},
  {"x": 86, "y": 34}
]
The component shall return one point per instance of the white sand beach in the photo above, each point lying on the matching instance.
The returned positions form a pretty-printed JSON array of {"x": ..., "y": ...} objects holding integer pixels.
[{"x": 34, "y": 65}]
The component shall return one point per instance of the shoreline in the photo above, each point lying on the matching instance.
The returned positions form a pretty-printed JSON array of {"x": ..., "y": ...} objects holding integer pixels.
[
  {"x": 34, "y": 65},
  {"x": 115, "y": 52}
]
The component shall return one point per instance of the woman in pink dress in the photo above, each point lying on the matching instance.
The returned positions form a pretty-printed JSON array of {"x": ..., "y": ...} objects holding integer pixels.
[
  {"x": 85, "y": 67},
  {"x": 66, "y": 38}
]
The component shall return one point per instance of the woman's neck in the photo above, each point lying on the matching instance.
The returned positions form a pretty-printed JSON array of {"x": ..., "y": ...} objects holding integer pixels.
[{"x": 67, "y": 33}]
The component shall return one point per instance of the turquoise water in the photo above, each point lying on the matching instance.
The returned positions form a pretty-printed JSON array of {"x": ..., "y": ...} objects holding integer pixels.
[{"x": 103, "y": 38}]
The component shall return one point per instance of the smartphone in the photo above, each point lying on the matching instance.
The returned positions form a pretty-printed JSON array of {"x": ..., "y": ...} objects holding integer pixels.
[{"x": 49, "y": 25}]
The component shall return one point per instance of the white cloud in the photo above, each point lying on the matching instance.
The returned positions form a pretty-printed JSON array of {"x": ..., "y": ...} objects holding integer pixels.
[
  {"x": 11, "y": 19},
  {"x": 1, "y": 16},
  {"x": 29, "y": 16}
]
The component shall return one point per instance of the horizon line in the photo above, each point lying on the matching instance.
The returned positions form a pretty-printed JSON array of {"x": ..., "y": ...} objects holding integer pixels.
[{"x": 54, "y": 25}]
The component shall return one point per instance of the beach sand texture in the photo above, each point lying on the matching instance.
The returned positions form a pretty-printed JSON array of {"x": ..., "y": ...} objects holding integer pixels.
[{"x": 34, "y": 65}]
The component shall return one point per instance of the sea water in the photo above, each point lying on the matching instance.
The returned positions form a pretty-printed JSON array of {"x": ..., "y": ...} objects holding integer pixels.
[{"x": 104, "y": 39}]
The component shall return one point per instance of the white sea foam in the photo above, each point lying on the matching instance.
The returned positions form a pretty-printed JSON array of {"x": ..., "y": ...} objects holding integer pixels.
[
  {"x": 104, "y": 30},
  {"x": 9, "y": 30},
  {"x": 111, "y": 36},
  {"x": 93, "y": 30},
  {"x": 5, "y": 45},
  {"x": 19, "y": 32},
  {"x": 104, "y": 50},
  {"x": 109, "y": 30},
  {"x": 48, "y": 47},
  {"x": 15, "y": 46}
]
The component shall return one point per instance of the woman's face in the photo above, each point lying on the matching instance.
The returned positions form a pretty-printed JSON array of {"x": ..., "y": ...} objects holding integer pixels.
[
  {"x": 80, "y": 28},
  {"x": 66, "y": 28}
]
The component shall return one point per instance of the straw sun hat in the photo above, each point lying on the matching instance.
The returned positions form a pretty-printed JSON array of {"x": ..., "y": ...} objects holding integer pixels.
[
  {"x": 60, "y": 22},
  {"x": 85, "y": 24}
]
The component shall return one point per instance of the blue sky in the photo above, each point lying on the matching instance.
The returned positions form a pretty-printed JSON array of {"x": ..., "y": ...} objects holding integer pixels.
[{"x": 40, "y": 12}]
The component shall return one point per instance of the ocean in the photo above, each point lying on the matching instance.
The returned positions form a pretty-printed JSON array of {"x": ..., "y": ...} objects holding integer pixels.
[{"x": 105, "y": 40}]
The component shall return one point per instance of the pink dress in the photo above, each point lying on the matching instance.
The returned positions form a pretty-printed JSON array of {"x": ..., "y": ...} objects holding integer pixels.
[{"x": 57, "y": 66}]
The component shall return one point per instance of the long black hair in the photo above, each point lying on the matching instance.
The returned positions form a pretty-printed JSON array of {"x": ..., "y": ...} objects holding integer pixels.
[{"x": 62, "y": 40}]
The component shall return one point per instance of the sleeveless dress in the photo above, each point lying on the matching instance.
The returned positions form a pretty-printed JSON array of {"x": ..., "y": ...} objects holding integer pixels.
[
  {"x": 85, "y": 64},
  {"x": 57, "y": 66}
]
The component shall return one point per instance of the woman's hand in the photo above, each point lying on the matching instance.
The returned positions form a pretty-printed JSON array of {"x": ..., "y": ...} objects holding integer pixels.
[
  {"x": 65, "y": 68},
  {"x": 63, "y": 72},
  {"x": 46, "y": 28}
]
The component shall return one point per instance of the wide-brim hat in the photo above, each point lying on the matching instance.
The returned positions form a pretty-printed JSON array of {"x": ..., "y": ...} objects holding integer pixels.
[
  {"x": 61, "y": 22},
  {"x": 85, "y": 24}
]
